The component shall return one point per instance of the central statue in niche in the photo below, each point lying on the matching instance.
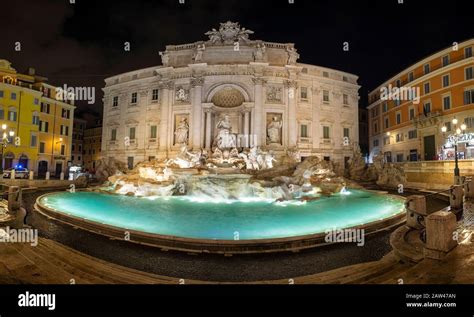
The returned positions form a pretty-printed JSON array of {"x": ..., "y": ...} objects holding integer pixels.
[
  {"x": 274, "y": 131},
  {"x": 225, "y": 139}
]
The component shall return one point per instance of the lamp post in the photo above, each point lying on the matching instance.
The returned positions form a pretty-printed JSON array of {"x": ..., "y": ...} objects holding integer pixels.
[
  {"x": 454, "y": 139},
  {"x": 5, "y": 142}
]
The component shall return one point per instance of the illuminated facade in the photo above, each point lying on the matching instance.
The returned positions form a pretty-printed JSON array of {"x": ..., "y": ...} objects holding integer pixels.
[{"x": 439, "y": 88}]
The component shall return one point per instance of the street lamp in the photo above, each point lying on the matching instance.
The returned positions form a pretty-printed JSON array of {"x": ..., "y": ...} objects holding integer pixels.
[
  {"x": 454, "y": 139},
  {"x": 5, "y": 142}
]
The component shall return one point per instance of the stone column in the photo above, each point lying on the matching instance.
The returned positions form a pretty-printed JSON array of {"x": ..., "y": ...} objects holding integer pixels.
[
  {"x": 258, "y": 115},
  {"x": 196, "y": 84},
  {"x": 292, "y": 86},
  {"x": 246, "y": 128},
  {"x": 440, "y": 228},
  {"x": 208, "y": 129},
  {"x": 164, "y": 113}
]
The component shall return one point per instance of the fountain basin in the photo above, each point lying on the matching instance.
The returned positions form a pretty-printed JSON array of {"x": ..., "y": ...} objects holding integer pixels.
[{"x": 249, "y": 225}]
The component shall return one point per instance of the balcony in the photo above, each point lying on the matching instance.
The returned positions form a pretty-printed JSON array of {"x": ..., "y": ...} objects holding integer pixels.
[{"x": 427, "y": 120}]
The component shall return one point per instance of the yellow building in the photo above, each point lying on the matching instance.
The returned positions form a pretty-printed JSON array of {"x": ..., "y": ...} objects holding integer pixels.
[
  {"x": 55, "y": 132},
  {"x": 416, "y": 119},
  {"x": 19, "y": 110},
  {"x": 29, "y": 111}
]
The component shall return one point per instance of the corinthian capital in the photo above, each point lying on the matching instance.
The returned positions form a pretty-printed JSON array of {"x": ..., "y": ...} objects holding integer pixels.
[
  {"x": 167, "y": 85},
  {"x": 197, "y": 81},
  {"x": 291, "y": 84},
  {"x": 258, "y": 81}
]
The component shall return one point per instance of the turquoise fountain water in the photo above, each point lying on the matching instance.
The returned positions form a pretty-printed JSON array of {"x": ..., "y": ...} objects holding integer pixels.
[{"x": 221, "y": 219}]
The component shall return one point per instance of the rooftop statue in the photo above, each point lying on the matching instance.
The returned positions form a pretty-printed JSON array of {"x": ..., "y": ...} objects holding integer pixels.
[{"x": 228, "y": 33}]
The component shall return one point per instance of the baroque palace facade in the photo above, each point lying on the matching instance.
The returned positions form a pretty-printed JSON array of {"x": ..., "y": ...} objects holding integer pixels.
[
  {"x": 410, "y": 129},
  {"x": 230, "y": 92}
]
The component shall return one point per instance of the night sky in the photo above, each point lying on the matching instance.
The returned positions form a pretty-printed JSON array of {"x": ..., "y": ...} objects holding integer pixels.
[{"x": 81, "y": 44}]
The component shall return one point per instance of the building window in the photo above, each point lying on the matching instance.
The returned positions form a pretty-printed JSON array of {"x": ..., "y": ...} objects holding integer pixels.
[
  {"x": 42, "y": 147},
  {"x": 427, "y": 108},
  {"x": 79, "y": 158},
  {"x": 397, "y": 102},
  {"x": 33, "y": 140},
  {"x": 446, "y": 102},
  {"x": 385, "y": 107},
  {"x": 63, "y": 149},
  {"x": 115, "y": 101},
  {"x": 304, "y": 131},
  {"x": 448, "y": 126},
  {"x": 469, "y": 122},
  {"x": 44, "y": 107},
  {"x": 65, "y": 113},
  {"x": 2, "y": 113},
  {"x": 398, "y": 83},
  {"x": 411, "y": 113},
  {"x": 468, "y": 52},
  {"x": 64, "y": 130},
  {"x": 43, "y": 126},
  {"x": 445, "y": 60},
  {"x": 134, "y": 98},
  {"x": 325, "y": 95},
  {"x": 12, "y": 114},
  {"x": 386, "y": 123},
  {"x": 426, "y": 68},
  {"x": 446, "y": 80},
  {"x": 130, "y": 162},
  {"x": 304, "y": 92},
  {"x": 411, "y": 76},
  {"x": 399, "y": 118},
  {"x": 36, "y": 101},
  {"x": 426, "y": 88},
  {"x": 469, "y": 73},
  {"x": 36, "y": 118},
  {"x": 13, "y": 96},
  {"x": 400, "y": 157},
  {"x": 153, "y": 132},
  {"x": 1, "y": 93},
  {"x": 73, "y": 148},
  {"x": 132, "y": 133},
  {"x": 113, "y": 134},
  {"x": 386, "y": 140},
  {"x": 399, "y": 137},
  {"x": 412, "y": 134},
  {"x": 155, "y": 94},
  {"x": 376, "y": 142},
  {"x": 376, "y": 127},
  {"x": 345, "y": 132},
  {"x": 80, "y": 148},
  {"x": 469, "y": 96},
  {"x": 72, "y": 158},
  {"x": 326, "y": 133},
  {"x": 345, "y": 99}
]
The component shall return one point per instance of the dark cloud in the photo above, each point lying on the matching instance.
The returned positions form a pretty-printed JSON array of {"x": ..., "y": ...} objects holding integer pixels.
[{"x": 82, "y": 43}]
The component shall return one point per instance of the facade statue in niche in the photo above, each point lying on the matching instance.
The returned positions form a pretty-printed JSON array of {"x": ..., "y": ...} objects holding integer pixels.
[
  {"x": 259, "y": 54},
  {"x": 225, "y": 138},
  {"x": 293, "y": 55},
  {"x": 182, "y": 94},
  {"x": 274, "y": 131},
  {"x": 199, "y": 52},
  {"x": 182, "y": 130},
  {"x": 274, "y": 94},
  {"x": 228, "y": 33},
  {"x": 165, "y": 58}
]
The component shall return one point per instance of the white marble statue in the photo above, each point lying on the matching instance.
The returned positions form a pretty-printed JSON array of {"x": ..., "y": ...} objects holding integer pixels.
[
  {"x": 292, "y": 55},
  {"x": 199, "y": 52},
  {"x": 225, "y": 138},
  {"x": 269, "y": 159},
  {"x": 165, "y": 58},
  {"x": 274, "y": 131},
  {"x": 259, "y": 54},
  {"x": 182, "y": 131}
]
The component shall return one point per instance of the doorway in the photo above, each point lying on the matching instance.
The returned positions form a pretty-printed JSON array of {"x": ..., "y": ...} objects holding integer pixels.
[
  {"x": 429, "y": 147},
  {"x": 59, "y": 169},
  {"x": 42, "y": 168}
]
